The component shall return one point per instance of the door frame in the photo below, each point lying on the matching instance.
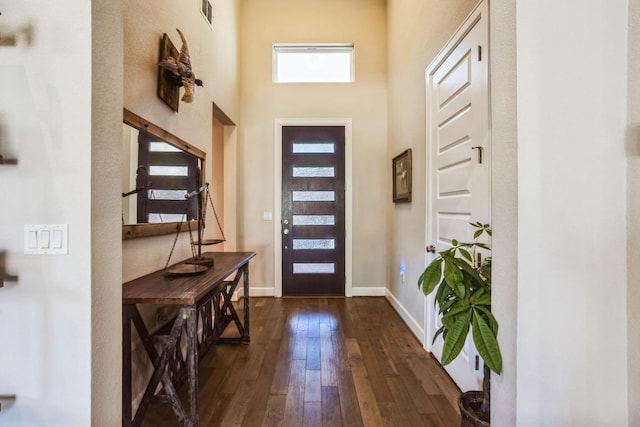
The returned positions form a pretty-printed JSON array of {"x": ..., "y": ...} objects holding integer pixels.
[
  {"x": 481, "y": 11},
  {"x": 277, "y": 195}
]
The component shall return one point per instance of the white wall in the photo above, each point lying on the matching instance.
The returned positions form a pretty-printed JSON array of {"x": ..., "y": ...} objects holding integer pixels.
[
  {"x": 504, "y": 204},
  {"x": 572, "y": 283},
  {"x": 361, "y": 22},
  {"x": 47, "y": 322}
]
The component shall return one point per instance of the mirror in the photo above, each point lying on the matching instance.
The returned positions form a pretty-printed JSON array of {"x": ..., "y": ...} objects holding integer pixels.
[{"x": 159, "y": 170}]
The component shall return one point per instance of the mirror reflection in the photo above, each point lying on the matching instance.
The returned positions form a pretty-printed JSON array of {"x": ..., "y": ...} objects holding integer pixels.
[{"x": 159, "y": 170}]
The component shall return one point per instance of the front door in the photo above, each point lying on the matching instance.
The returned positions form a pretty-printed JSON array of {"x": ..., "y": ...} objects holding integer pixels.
[
  {"x": 458, "y": 179},
  {"x": 313, "y": 210}
]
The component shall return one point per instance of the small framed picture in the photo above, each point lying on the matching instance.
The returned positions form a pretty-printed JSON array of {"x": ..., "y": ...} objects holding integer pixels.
[{"x": 401, "y": 168}]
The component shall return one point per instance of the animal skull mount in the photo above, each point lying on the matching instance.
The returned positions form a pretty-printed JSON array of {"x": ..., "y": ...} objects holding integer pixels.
[{"x": 180, "y": 69}]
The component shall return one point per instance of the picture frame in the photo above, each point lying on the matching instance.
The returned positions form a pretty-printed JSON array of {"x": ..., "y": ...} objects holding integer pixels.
[
  {"x": 401, "y": 172},
  {"x": 168, "y": 84}
]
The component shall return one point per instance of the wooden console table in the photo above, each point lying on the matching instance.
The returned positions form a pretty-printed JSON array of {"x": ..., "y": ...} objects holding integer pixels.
[{"x": 204, "y": 302}]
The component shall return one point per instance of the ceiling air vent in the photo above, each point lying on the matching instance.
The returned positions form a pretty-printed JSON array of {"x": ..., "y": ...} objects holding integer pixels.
[{"x": 207, "y": 11}]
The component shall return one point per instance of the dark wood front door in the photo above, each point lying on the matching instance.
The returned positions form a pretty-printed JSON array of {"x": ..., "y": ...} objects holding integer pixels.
[{"x": 313, "y": 198}]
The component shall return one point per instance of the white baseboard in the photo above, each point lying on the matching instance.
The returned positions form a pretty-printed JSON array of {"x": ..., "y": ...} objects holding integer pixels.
[
  {"x": 262, "y": 292},
  {"x": 368, "y": 291},
  {"x": 414, "y": 325},
  {"x": 360, "y": 291}
]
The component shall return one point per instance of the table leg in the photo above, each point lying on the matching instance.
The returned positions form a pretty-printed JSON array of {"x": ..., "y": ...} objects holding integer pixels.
[
  {"x": 192, "y": 362},
  {"x": 126, "y": 366},
  {"x": 245, "y": 335}
]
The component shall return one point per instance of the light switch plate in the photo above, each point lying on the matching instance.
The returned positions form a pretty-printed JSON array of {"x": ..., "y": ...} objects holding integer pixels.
[{"x": 46, "y": 239}]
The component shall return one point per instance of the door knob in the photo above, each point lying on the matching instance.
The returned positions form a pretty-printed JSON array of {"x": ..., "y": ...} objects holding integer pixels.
[
  {"x": 431, "y": 249},
  {"x": 285, "y": 231}
]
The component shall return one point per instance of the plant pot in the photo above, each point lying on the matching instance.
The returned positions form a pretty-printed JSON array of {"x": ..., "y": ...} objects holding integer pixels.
[{"x": 470, "y": 405}]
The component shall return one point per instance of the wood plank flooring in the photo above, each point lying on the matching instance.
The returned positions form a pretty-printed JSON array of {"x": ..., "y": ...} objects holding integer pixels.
[{"x": 322, "y": 362}]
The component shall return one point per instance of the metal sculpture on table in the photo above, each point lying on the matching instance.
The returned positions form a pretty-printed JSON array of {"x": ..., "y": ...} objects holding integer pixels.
[{"x": 197, "y": 263}]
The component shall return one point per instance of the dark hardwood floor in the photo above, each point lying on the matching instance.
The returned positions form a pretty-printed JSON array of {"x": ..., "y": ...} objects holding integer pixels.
[{"x": 322, "y": 362}]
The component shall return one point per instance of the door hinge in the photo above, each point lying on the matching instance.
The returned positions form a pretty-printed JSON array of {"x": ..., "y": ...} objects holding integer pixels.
[
  {"x": 477, "y": 362},
  {"x": 479, "y": 53}
]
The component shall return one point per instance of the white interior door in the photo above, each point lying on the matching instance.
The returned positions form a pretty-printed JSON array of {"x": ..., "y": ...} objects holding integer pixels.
[{"x": 458, "y": 162}]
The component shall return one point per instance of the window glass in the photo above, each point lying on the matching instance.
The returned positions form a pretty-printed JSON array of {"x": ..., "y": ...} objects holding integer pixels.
[
  {"x": 313, "y": 172},
  {"x": 314, "y": 244},
  {"x": 314, "y": 148},
  {"x": 169, "y": 170},
  {"x": 314, "y": 196},
  {"x": 163, "y": 147},
  {"x": 314, "y": 268},
  {"x": 313, "y": 63},
  {"x": 314, "y": 220},
  {"x": 167, "y": 194},
  {"x": 164, "y": 217}
]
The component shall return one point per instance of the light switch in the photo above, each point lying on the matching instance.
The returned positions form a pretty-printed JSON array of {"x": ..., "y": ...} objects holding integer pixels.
[
  {"x": 46, "y": 239},
  {"x": 32, "y": 239},
  {"x": 267, "y": 215},
  {"x": 56, "y": 239}
]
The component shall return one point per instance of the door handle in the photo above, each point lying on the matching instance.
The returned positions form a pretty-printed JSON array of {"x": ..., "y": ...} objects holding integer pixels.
[
  {"x": 285, "y": 231},
  {"x": 479, "y": 153},
  {"x": 431, "y": 249}
]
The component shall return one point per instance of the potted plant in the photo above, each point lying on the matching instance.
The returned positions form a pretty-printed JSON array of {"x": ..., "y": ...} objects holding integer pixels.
[{"x": 463, "y": 294}]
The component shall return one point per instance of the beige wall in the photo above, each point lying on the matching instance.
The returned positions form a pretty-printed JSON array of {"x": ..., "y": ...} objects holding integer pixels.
[
  {"x": 361, "y": 22},
  {"x": 418, "y": 30},
  {"x": 106, "y": 228},
  {"x": 214, "y": 60},
  {"x": 225, "y": 45},
  {"x": 633, "y": 212}
]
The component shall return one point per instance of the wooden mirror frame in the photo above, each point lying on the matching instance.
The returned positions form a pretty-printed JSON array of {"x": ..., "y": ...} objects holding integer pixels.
[{"x": 132, "y": 231}]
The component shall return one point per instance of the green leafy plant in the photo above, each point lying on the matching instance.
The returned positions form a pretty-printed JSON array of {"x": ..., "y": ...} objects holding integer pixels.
[{"x": 463, "y": 294}]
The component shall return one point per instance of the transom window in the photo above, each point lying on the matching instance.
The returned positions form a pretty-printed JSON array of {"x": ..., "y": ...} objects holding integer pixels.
[{"x": 313, "y": 63}]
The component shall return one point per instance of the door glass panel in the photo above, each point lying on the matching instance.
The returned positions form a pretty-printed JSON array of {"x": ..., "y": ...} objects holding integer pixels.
[
  {"x": 169, "y": 170},
  {"x": 314, "y": 268},
  {"x": 313, "y": 148},
  {"x": 314, "y": 244},
  {"x": 314, "y": 220},
  {"x": 163, "y": 147},
  {"x": 314, "y": 196},
  {"x": 163, "y": 217},
  {"x": 314, "y": 172},
  {"x": 167, "y": 194}
]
